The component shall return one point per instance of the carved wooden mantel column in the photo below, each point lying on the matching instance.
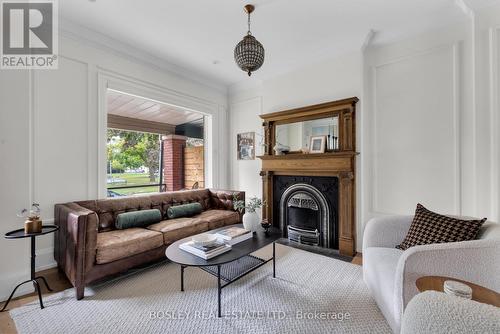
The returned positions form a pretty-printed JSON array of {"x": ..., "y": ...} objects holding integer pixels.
[
  {"x": 340, "y": 163},
  {"x": 347, "y": 204},
  {"x": 267, "y": 193}
]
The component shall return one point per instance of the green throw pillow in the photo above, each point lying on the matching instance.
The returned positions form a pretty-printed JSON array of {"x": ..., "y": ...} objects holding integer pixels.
[
  {"x": 184, "y": 210},
  {"x": 137, "y": 218}
]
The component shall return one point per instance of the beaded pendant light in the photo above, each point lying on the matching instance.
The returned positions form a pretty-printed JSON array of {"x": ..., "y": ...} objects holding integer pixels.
[{"x": 249, "y": 53}]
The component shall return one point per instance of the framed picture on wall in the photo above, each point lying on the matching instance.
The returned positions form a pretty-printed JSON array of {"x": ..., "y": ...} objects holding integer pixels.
[
  {"x": 246, "y": 146},
  {"x": 317, "y": 144}
]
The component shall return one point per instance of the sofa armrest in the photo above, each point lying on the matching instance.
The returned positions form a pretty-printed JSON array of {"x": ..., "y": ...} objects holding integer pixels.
[
  {"x": 387, "y": 231},
  {"x": 76, "y": 240},
  {"x": 476, "y": 261}
]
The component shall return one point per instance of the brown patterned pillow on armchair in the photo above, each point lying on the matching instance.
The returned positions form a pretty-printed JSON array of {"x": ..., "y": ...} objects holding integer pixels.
[{"x": 430, "y": 228}]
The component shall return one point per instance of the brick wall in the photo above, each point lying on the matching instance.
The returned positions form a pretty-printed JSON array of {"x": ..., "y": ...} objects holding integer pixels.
[{"x": 173, "y": 161}]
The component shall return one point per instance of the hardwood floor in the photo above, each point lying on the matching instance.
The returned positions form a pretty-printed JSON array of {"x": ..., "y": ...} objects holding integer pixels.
[{"x": 58, "y": 282}]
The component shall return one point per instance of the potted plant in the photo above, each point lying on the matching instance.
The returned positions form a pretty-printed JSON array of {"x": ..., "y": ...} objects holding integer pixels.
[{"x": 250, "y": 219}]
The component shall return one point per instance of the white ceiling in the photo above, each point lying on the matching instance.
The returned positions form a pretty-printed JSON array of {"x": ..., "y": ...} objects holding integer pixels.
[
  {"x": 193, "y": 34},
  {"x": 131, "y": 106}
]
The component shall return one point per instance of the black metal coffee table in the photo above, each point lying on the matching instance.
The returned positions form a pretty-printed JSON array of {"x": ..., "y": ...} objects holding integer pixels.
[
  {"x": 19, "y": 234},
  {"x": 229, "y": 266}
]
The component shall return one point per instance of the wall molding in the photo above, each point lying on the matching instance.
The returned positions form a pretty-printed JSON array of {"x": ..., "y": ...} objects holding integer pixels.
[
  {"x": 105, "y": 43},
  {"x": 494, "y": 76},
  {"x": 374, "y": 207},
  {"x": 34, "y": 133}
]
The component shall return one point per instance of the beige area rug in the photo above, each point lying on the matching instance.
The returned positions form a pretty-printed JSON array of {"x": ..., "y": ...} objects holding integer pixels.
[{"x": 311, "y": 294}]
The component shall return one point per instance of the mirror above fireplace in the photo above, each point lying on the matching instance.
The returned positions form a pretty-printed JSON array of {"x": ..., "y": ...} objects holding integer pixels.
[
  {"x": 290, "y": 131},
  {"x": 296, "y": 137}
]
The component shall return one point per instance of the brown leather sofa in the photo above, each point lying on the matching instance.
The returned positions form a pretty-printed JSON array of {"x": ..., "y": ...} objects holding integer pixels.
[{"x": 89, "y": 248}]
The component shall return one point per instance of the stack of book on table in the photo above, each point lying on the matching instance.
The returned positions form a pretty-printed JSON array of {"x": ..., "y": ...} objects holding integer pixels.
[
  {"x": 205, "y": 252},
  {"x": 233, "y": 235},
  {"x": 225, "y": 239}
]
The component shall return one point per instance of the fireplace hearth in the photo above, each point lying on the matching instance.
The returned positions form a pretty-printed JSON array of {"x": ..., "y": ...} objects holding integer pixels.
[{"x": 307, "y": 209}]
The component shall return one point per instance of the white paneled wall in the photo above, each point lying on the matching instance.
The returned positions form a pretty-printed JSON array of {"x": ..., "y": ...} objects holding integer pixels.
[
  {"x": 245, "y": 173},
  {"x": 53, "y": 136},
  {"x": 416, "y": 132},
  {"x": 428, "y": 118},
  {"x": 61, "y": 135}
]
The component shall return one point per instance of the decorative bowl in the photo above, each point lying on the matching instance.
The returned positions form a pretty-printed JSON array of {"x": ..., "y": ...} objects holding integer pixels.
[
  {"x": 204, "y": 239},
  {"x": 265, "y": 225}
]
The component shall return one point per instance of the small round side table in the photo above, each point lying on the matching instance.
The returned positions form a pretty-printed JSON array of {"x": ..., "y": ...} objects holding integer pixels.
[
  {"x": 19, "y": 234},
  {"x": 479, "y": 293}
]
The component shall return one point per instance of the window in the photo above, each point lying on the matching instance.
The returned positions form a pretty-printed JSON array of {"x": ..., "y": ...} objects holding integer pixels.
[
  {"x": 152, "y": 146},
  {"x": 133, "y": 162}
]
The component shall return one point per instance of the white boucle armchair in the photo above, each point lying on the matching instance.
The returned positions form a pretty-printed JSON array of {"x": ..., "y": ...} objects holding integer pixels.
[{"x": 391, "y": 273}]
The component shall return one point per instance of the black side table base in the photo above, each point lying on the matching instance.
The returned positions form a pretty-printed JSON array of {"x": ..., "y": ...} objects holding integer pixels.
[
  {"x": 34, "y": 279},
  {"x": 37, "y": 289}
]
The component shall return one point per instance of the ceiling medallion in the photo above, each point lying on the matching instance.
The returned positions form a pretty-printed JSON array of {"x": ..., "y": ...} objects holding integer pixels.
[{"x": 249, "y": 53}]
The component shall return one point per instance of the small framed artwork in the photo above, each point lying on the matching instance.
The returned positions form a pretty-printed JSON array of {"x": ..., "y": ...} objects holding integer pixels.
[
  {"x": 317, "y": 144},
  {"x": 246, "y": 146}
]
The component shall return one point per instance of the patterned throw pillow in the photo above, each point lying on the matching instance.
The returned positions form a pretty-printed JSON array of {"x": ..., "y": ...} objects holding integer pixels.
[{"x": 430, "y": 228}]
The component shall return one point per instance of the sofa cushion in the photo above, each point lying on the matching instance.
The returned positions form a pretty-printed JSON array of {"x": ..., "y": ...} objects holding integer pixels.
[
  {"x": 119, "y": 244},
  {"x": 140, "y": 218},
  {"x": 379, "y": 273},
  {"x": 429, "y": 228},
  {"x": 178, "y": 228},
  {"x": 219, "y": 218},
  {"x": 184, "y": 210}
]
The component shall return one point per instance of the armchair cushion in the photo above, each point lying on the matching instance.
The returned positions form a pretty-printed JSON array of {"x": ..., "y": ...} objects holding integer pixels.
[
  {"x": 436, "y": 312},
  {"x": 429, "y": 228}
]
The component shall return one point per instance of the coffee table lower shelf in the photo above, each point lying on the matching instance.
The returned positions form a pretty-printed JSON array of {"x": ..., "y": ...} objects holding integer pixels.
[{"x": 232, "y": 271}]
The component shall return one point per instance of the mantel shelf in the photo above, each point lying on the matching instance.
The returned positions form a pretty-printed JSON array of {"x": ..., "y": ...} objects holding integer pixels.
[{"x": 308, "y": 155}]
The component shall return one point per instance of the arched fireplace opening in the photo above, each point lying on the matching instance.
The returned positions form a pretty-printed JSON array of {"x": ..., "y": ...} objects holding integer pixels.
[{"x": 307, "y": 209}]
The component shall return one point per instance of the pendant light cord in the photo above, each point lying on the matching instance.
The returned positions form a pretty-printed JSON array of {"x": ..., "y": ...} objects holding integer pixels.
[{"x": 249, "y": 32}]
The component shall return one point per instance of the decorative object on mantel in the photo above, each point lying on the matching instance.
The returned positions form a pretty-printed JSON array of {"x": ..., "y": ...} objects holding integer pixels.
[
  {"x": 317, "y": 144},
  {"x": 33, "y": 223},
  {"x": 281, "y": 149},
  {"x": 246, "y": 146},
  {"x": 249, "y": 53},
  {"x": 251, "y": 218}
]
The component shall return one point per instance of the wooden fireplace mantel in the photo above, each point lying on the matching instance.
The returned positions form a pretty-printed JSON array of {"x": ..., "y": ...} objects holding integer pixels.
[{"x": 340, "y": 163}]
